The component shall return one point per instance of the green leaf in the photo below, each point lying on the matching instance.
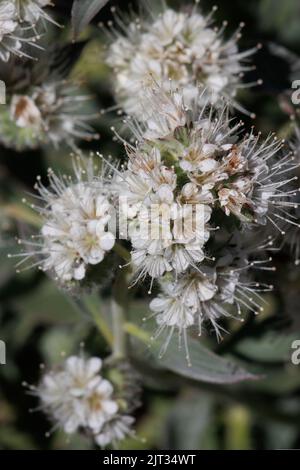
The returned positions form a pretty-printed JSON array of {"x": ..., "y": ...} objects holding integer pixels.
[
  {"x": 276, "y": 15},
  {"x": 188, "y": 421},
  {"x": 11, "y": 438},
  {"x": 237, "y": 428},
  {"x": 47, "y": 306},
  {"x": 93, "y": 306},
  {"x": 272, "y": 347},
  {"x": 279, "y": 382},
  {"x": 57, "y": 342},
  {"x": 205, "y": 366},
  {"x": 83, "y": 11}
]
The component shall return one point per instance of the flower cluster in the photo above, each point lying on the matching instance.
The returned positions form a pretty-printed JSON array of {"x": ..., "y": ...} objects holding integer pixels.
[
  {"x": 207, "y": 296},
  {"x": 195, "y": 193},
  {"x": 194, "y": 183},
  {"x": 19, "y": 20},
  {"x": 77, "y": 398},
  {"x": 180, "y": 46},
  {"x": 49, "y": 113},
  {"x": 150, "y": 188},
  {"x": 200, "y": 176},
  {"x": 75, "y": 231}
]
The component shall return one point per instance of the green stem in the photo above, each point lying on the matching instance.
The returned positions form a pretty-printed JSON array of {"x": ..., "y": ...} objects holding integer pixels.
[
  {"x": 122, "y": 252},
  {"x": 23, "y": 214},
  {"x": 93, "y": 308},
  {"x": 119, "y": 305},
  {"x": 119, "y": 335}
]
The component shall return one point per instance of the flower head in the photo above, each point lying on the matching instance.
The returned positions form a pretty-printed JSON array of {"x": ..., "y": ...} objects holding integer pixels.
[
  {"x": 50, "y": 113},
  {"x": 180, "y": 46},
  {"x": 74, "y": 234},
  {"x": 115, "y": 430},
  {"x": 205, "y": 298},
  {"x": 166, "y": 233},
  {"x": 192, "y": 173},
  {"x": 77, "y": 397}
]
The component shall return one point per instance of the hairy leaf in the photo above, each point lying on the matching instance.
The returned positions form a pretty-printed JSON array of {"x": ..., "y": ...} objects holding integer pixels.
[{"x": 205, "y": 365}]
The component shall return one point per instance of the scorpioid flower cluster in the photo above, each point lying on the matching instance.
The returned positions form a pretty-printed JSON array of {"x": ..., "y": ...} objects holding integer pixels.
[
  {"x": 181, "y": 46},
  {"x": 207, "y": 184}
]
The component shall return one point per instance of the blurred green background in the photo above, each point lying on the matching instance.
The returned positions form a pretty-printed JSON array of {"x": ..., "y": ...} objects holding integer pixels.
[{"x": 38, "y": 321}]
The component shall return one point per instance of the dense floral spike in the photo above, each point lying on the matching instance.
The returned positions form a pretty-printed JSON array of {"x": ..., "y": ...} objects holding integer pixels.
[
  {"x": 51, "y": 113},
  {"x": 76, "y": 397},
  {"x": 180, "y": 46},
  {"x": 194, "y": 169},
  {"x": 19, "y": 21},
  {"x": 75, "y": 217}
]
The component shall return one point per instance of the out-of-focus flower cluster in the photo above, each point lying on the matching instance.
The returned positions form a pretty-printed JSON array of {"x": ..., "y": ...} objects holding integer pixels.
[
  {"x": 77, "y": 397},
  {"x": 51, "y": 113}
]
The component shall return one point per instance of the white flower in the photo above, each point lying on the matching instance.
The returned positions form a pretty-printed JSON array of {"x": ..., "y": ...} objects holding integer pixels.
[
  {"x": 185, "y": 174},
  {"x": 32, "y": 11},
  {"x": 172, "y": 114},
  {"x": 172, "y": 312},
  {"x": 233, "y": 199},
  {"x": 51, "y": 113},
  {"x": 76, "y": 396},
  {"x": 181, "y": 46},
  {"x": 25, "y": 113},
  {"x": 244, "y": 175},
  {"x": 8, "y": 24},
  {"x": 93, "y": 394},
  {"x": 18, "y": 22},
  {"x": 115, "y": 430},
  {"x": 75, "y": 232},
  {"x": 205, "y": 297},
  {"x": 166, "y": 235}
]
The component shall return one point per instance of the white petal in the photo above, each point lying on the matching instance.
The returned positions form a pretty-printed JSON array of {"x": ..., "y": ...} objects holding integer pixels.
[
  {"x": 93, "y": 366},
  {"x": 107, "y": 241}
]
